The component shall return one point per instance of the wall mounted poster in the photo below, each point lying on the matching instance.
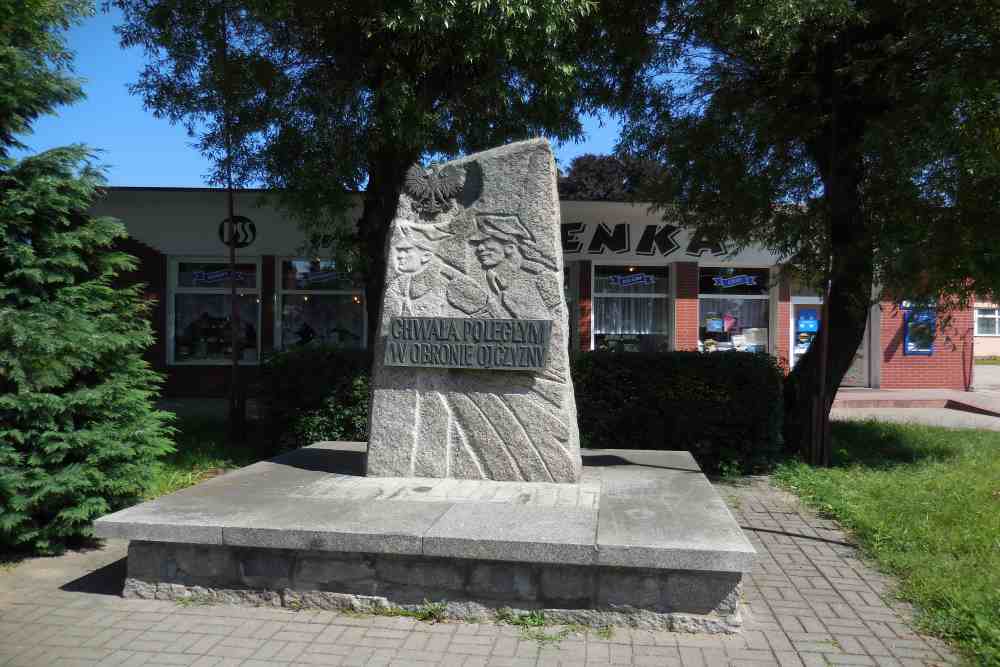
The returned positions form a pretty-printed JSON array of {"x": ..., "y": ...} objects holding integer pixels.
[{"x": 808, "y": 321}]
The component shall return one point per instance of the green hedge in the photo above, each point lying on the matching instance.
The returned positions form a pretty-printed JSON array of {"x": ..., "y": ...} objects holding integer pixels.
[
  {"x": 314, "y": 393},
  {"x": 725, "y": 408}
]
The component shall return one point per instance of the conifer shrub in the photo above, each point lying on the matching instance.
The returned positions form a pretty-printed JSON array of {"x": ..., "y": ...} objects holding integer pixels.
[{"x": 79, "y": 434}]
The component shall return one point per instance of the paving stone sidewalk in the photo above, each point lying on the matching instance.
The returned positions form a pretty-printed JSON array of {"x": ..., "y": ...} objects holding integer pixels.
[{"x": 810, "y": 601}]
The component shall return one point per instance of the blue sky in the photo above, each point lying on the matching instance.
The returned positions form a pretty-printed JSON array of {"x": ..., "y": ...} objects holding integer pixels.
[{"x": 139, "y": 149}]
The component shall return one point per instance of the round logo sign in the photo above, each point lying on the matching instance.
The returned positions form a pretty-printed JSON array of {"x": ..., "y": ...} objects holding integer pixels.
[{"x": 244, "y": 232}]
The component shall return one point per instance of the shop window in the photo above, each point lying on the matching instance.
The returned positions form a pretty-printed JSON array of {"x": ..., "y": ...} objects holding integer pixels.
[
  {"x": 631, "y": 308},
  {"x": 919, "y": 329},
  {"x": 319, "y": 305},
  {"x": 733, "y": 309},
  {"x": 986, "y": 321},
  {"x": 200, "y": 310}
]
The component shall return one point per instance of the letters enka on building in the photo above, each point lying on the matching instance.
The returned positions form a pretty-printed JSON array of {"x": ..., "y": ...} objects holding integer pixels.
[{"x": 458, "y": 342}]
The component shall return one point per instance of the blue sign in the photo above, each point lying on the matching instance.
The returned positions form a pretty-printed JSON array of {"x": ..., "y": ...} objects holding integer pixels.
[
  {"x": 325, "y": 276},
  {"x": 630, "y": 279},
  {"x": 808, "y": 321},
  {"x": 734, "y": 281},
  {"x": 209, "y": 277},
  {"x": 714, "y": 325}
]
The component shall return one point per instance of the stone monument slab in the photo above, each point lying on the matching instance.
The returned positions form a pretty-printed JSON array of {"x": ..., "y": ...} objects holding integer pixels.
[{"x": 474, "y": 285}]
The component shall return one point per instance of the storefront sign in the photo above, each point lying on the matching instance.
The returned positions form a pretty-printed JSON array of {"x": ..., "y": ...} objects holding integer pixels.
[
  {"x": 734, "y": 281},
  {"x": 244, "y": 232},
  {"x": 625, "y": 238},
  {"x": 212, "y": 277},
  {"x": 631, "y": 279},
  {"x": 456, "y": 342}
]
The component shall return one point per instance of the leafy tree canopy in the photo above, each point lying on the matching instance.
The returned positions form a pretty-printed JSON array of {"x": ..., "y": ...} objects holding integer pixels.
[
  {"x": 858, "y": 139},
  {"x": 330, "y": 97},
  {"x": 606, "y": 178},
  {"x": 810, "y": 127}
]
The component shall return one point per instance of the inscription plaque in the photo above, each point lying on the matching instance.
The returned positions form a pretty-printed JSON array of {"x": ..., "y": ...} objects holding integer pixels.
[{"x": 462, "y": 342}]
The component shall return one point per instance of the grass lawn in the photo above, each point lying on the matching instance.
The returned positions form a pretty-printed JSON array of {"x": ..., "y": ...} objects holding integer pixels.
[
  {"x": 988, "y": 361},
  {"x": 201, "y": 450},
  {"x": 924, "y": 502}
]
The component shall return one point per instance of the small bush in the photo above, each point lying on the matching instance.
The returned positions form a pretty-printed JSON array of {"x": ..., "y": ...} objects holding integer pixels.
[
  {"x": 339, "y": 417},
  {"x": 315, "y": 393},
  {"x": 725, "y": 408}
]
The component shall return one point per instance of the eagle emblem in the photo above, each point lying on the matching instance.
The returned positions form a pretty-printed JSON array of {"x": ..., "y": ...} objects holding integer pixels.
[{"x": 432, "y": 189}]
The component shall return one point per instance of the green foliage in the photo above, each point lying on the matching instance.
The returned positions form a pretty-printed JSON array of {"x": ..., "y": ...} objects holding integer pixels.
[
  {"x": 925, "y": 503},
  {"x": 725, "y": 408},
  {"x": 315, "y": 393},
  {"x": 78, "y": 433},
  {"x": 789, "y": 115},
  {"x": 606, "y": 178},
  {"x": 339, "y": 417},
  {"x": 35, "y": 65},
  {"x": 859, "y": 141}
]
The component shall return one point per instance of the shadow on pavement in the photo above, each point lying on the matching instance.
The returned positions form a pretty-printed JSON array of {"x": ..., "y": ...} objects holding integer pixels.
[{"x": 108, "y": 580}]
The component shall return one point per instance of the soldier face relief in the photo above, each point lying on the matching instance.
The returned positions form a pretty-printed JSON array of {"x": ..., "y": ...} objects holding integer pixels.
[
  {"x": 411, "y": 259},
  {"x": 491, "y": 252}
]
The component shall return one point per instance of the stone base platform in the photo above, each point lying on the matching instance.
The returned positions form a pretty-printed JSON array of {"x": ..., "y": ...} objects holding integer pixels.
[{"x": 643, "y": 540}]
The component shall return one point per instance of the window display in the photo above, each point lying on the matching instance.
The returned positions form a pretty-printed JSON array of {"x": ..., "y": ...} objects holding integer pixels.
[
  {"x": 320, "y": 305},
  {"x": 631, "y": 308},
  {"x": 200, "y": 308},
  {"x": 202, "y": 330},
  {"x": 734, "y": 309}
]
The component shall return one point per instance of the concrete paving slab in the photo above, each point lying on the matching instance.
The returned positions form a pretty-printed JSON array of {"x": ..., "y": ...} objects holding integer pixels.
[
  {"x": 639, "y": 509},
  {"x": 705, "y": 537},
  {"x": 349, "y": 525},
  {"x": 493, "y": 531}
]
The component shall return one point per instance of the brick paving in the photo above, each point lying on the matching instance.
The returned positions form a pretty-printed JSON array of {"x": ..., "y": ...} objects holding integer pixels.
[{"x": 810, "y": 601}]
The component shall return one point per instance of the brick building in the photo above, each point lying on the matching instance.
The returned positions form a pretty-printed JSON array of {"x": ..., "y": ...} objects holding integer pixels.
[{"x": 632, "y": 282}]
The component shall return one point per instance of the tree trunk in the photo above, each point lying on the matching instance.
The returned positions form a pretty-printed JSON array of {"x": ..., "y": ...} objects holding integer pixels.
[
  {"x": 385, "y": 183},
  {"x": 852, "y": 263}
]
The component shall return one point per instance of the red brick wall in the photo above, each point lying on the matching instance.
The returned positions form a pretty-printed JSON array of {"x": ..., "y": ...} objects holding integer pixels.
[
  {"x": 686, "y": 306},
  {"x": 783, "y": 324},
  {"x": 586, "y": 304},
  {"x": 950, "y": 366}
]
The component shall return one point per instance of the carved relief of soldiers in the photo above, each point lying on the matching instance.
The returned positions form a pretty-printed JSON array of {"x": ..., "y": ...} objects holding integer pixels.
[
  {"x": 519, "y": 277},
  {"x": 424, "y": 286}
]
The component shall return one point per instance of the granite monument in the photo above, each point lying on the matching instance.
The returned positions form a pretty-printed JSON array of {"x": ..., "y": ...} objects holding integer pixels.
[{"x": 471, "y": 376}]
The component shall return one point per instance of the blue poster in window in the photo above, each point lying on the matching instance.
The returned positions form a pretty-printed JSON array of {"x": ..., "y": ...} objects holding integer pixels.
[
  {"x": 808, "y": 321},
  {"x": 919, "y": 327},
  {"x": 714, "y": 324}
]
